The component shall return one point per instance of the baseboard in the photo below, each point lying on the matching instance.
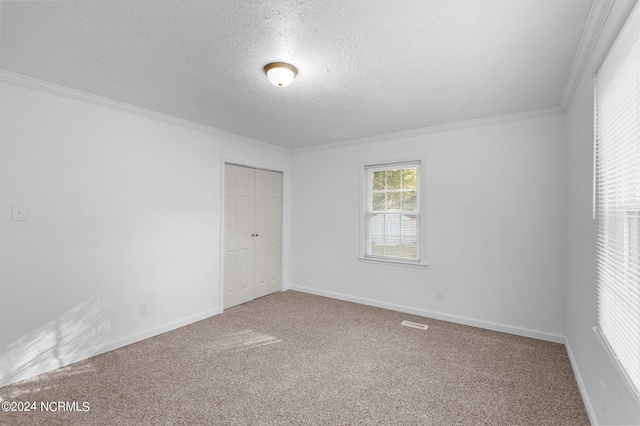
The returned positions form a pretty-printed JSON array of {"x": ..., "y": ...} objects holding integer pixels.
[
  {"x": 138, "y": 337},
  {"x": 117, "y": 344},
  {"x": 519, "y": 331},
  {"x": 583, "y": 389}
]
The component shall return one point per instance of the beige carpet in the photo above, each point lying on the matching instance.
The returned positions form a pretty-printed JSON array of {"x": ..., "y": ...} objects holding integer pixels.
[{"x": 292, "y": 358}]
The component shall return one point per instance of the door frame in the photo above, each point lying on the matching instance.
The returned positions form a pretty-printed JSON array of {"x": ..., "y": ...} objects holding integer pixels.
[{"x": 234, "y": 162}]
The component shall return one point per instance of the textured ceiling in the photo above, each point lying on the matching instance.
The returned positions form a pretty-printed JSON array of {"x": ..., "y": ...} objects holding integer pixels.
[{"x": 366, "y": 67}]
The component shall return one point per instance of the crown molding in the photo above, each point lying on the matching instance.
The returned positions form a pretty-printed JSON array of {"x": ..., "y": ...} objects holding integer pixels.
[
  {"x": 598, "y": 15},
  {"x": 67, "y": 92},
  {"x": 487, "y": 121}
]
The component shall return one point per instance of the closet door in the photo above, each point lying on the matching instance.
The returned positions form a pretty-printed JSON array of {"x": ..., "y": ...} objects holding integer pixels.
[
  {"x": 268, "y": 229},
  {"x": 253, "y": 228},
  {"x": 238, "y": 230}
]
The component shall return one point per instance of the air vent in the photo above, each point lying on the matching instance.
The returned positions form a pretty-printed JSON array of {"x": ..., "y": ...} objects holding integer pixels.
[{"x": 415, "y": 325}]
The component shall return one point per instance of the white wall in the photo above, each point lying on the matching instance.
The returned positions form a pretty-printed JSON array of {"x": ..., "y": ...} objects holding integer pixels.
[
  {"x": 124, "y": 209},
  {"x": 495, "y": 226},
  {"x": 613, "y": 403},
  {"x": 121, "y": 209}
]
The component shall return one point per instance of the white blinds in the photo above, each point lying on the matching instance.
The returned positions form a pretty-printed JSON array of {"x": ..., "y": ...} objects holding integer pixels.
[{"x": 618, "y": 199}]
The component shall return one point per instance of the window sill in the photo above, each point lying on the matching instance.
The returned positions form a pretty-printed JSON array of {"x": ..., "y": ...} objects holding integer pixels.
[
  {"x": 393, "y": 262},
  {"x": 614, "y": 360}
]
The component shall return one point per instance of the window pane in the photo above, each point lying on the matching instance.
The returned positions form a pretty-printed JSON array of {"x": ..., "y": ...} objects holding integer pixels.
[
  {"x": 378, "y": 201},
  {"x": 409, "y": 200},
  {"x": 378, "y": 180},
  {"x": 392, "y": 235},
  {"x": 409, "y": 251},
  {"x": 409, "y": 178},
  {"x": 393, "y": 179},
  {"x": 408, "y": 229},
  {"x": 392, "y": 228},
  {"x": 376, "y": 232},
  {"x": 393, "y": 200},
  {"x": 377, "y": 249},
  {"x": 408, "y": 236}
]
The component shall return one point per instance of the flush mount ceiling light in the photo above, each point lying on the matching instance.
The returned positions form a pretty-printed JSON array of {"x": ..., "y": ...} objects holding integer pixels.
[{"x": 280, "y": 73}]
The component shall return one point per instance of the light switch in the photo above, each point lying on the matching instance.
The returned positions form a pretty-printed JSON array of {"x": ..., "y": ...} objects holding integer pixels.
[{"x": 18, "y": 213}]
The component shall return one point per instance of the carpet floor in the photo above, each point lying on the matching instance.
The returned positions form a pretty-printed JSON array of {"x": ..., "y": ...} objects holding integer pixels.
[{"x": 296, "y": 359}]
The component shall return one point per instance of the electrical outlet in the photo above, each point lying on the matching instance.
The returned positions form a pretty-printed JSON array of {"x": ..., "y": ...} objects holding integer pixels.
[
  {"x": 18, "y": 213},
  {"x": 145, "y": 308},
  {"x": 439, "y": 293}
]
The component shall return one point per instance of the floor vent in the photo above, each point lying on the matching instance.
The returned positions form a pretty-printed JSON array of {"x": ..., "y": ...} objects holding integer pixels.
[{"x": 414, "y": 325}]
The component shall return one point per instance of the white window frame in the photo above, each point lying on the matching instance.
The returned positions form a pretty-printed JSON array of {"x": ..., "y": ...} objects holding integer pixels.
[
  {"x": 617, "y": 201},
  {"x": 419, "y": 163}
]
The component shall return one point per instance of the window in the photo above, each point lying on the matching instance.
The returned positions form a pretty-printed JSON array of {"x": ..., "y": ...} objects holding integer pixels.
[
  {"x": 617, "y": 198},
  {"x": 392, "y": 218}
]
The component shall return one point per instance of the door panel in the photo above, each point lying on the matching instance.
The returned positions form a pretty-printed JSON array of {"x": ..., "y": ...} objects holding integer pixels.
[{"x": 239, "y": 211}]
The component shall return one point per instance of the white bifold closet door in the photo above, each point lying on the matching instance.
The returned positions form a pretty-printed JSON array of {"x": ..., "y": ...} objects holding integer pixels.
[{"x": 253, "y": 228}]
